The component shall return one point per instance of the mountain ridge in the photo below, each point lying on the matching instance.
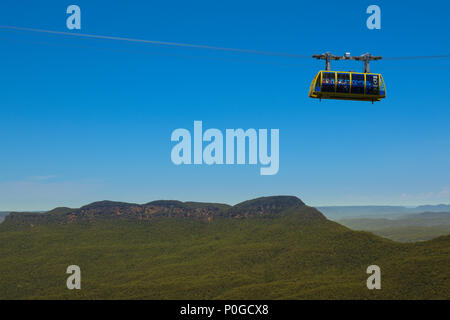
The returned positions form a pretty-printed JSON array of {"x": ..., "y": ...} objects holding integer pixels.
[{"x": 262, "y": 206}]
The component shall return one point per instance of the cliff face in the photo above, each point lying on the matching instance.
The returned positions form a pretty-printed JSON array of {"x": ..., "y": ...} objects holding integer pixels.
[
  {"x": 105, "y": 209},
  {"x": 260, "y": 207}
]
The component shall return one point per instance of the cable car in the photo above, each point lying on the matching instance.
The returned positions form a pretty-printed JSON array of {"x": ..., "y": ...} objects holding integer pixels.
[
  {"x": 348, "y": 86},
  {"x": 344, "y": 85}
]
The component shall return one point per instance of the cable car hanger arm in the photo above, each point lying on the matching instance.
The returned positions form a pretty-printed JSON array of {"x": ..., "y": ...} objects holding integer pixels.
[{"x": 366, "y": 58}]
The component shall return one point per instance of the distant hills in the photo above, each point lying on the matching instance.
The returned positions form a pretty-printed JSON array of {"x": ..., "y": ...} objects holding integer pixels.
[
  {"x": 339, "y": 212},
  {"x": 426, "y": 219},
  {"x": 265, "y": 248},
  {"x": 3, "y": 214},
  {"x": 411, "y": 227}
]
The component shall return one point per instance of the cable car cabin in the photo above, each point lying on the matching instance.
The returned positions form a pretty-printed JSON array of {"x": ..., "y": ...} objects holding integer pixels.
[{"x": 348, "y": 86}]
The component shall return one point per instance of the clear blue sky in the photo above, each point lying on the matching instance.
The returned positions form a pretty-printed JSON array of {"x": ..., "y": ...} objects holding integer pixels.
[{"x": 84, "y": 120}]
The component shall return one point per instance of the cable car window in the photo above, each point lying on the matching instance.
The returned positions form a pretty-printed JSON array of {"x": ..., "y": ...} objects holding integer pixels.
[
  {"x": 372, "y": 84},
  {"x": 343, "y": 83},
  {"x": 328, "y": 82},
  {"x": 357, "y": 83},
  {"x": 318, "y": 81}
]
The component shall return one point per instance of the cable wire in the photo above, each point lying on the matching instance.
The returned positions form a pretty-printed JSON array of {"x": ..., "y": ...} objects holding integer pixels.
[
  {"x": 67, "y": 45},
  {"x": 198, "y": 46},
  {"x": 444, "y": 56}
]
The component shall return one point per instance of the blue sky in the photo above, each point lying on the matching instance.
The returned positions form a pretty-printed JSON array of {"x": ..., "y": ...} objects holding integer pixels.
[{"x": 84, "y": 120}]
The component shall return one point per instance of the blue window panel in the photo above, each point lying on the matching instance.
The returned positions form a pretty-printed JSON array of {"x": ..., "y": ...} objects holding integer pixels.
[
  {"x": 372, "y": 84},
  {"x": 328, "y": 82},
  {"x": 358, "y": 83},
  {"x": 343, "y": 83},
  {"x": 318, "y": 81}
]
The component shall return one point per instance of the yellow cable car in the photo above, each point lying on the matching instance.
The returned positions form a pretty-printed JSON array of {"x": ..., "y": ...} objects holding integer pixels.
[
  {"x": 348, "y": 86},
  {"x": 344, "y": 85}
]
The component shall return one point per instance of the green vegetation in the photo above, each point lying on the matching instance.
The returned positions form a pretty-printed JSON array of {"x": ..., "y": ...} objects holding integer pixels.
[{"x": 293, "y": 254}]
